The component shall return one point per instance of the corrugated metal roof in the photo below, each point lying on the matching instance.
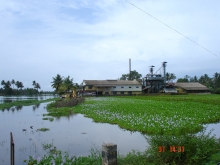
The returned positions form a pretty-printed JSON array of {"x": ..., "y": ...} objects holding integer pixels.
[
  {"x": 110, "y": 82},
  {"x": 191, "y": 86}
]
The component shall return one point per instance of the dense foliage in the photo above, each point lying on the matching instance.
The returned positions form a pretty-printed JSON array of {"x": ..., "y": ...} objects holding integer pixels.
[
  {"x": 131, "y": 76},
  {"x": 63, "y": 85},
  {"x": 212, "y": 83},
  {"x": 8, "y": 88}
]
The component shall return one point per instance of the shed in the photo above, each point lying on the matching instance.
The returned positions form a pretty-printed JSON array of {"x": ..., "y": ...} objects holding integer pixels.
[{"x": 191, "y": 87}]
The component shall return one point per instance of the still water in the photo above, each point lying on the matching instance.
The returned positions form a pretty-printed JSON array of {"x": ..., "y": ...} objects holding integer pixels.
[
  {"x": 75, "y": 134},
  {"x": 4, "y": 99}
]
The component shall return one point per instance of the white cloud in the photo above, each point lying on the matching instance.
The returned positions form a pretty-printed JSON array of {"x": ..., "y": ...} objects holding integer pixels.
[{"x": 94, "y": 40}]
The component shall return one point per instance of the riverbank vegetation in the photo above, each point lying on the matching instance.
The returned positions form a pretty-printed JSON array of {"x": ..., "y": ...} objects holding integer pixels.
[
  {"x": 197, "y": 149},
  {"x": 63, "y": 107},
  {"x": 23, "y": 103}
]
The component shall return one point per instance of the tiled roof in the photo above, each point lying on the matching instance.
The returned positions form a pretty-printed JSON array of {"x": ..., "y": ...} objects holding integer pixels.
[
  {"x": 191, "y": 86},
  {"x": 110, "y": 82}
]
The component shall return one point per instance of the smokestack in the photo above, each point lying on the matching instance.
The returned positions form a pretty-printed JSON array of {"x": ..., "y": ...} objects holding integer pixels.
[
  {"x": 164, "y": 73},
  {"x": 129, "y": 69}
]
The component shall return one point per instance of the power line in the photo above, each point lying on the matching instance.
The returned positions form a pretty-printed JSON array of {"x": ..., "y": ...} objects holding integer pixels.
[{"x": 172, "y": 28}]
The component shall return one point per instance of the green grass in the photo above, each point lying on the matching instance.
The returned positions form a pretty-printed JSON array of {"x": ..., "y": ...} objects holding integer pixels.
[
  {"x": 63, "y": 107},
  {"x": 171, "y": 115},
  {"x": 199, "y": 149},
  {"x": 23, "y": 103}
]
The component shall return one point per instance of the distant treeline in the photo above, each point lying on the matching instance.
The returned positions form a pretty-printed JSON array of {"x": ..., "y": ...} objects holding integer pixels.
[
  {"x": 213, "y": 83},
  {"x": 8, "y": 88}
]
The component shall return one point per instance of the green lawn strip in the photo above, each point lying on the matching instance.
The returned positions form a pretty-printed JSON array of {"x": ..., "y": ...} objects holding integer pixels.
[
  {"x": 24, "y": 103},
  {"x": 150, "y": 115}
]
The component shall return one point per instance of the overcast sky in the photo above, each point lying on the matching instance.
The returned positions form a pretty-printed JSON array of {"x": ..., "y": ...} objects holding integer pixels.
[{"x": 94, "y": 39}]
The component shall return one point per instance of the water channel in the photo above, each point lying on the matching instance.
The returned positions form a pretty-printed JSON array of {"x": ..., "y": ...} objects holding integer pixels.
[{"x": 75, "y": 134}]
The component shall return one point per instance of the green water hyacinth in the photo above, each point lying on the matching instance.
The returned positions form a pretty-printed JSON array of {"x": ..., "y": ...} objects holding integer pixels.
[{"x": 173, "y": 115}]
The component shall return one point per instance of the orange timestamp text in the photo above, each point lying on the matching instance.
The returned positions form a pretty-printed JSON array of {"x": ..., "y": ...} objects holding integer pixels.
[{"x": 172, "y": 149}]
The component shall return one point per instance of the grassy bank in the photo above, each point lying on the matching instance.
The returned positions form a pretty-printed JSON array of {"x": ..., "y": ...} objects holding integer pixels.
[
  {"x": 63, "y": 107},
  {"x": 24, "y": 103}
]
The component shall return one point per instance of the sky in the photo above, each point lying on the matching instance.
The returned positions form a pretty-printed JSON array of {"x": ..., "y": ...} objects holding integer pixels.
[{"x": 94, "y": 39}]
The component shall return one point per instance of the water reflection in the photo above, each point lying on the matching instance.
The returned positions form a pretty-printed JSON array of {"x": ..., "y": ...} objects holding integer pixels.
[
  {"x": 8, "y": 99},
  {"x": 34, "y": 107},
  {"x": 19, "y": 107},
  {"x": 74, "y": 133}
]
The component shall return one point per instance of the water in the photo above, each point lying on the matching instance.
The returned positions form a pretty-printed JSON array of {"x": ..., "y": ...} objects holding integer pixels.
[
  {"x": 75, "y": 134},
  {"x": 4, "y": 99}
]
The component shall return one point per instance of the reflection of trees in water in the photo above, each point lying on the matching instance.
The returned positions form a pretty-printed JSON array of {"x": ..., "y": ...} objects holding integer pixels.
[
  {"x": 13, "y": 109},
  {"x": 7, "y": 101},
  {"x": 19, "y": 107},
  {"x": 36, "y": 106},
  {"x": 70, "y": 116}
]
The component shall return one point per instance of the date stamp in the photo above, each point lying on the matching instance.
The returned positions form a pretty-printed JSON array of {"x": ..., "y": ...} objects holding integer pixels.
[{"x": 171, "y": 149}]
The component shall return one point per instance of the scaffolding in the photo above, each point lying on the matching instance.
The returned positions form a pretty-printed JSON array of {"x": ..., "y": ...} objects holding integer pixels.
[{"x": 154, "y": 82}]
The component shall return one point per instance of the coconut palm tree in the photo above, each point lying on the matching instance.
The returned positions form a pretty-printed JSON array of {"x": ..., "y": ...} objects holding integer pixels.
[
  {"x": 34, "y": 83},
  {"x": 216, "y": 80},
  {"x": 3, "y": 82},
  {"x": 170, "y": 77},
  {"x": 37, "y": 86},
  {"x": 13, "y": 82},
  {"x": 57, "y": 81}
]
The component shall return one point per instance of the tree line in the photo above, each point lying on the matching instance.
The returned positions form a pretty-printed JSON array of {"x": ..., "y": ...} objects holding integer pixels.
[
  {"x": 8, "y": 88},
  {"x": 62, "y": 84},
  {"x": 213, "y": 83}
]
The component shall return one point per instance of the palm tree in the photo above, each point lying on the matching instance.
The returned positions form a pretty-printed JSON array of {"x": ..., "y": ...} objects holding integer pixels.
[
  {"x": 3, "y": 82},
  {"x": 17, "y": 84},
  {"x": 21, "y": 85},
  {"x": 57, "y": 81},
  {"x": 34, "y": 83},
  {"x": 68, "y": 83},
  {"x": 13, "y": 82},
  {"x": 170, "y": 77},
  {"x": 37, "y": 86},
  {"x": 216, "y": 81},
  {"x": 205, "y": 80}
]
